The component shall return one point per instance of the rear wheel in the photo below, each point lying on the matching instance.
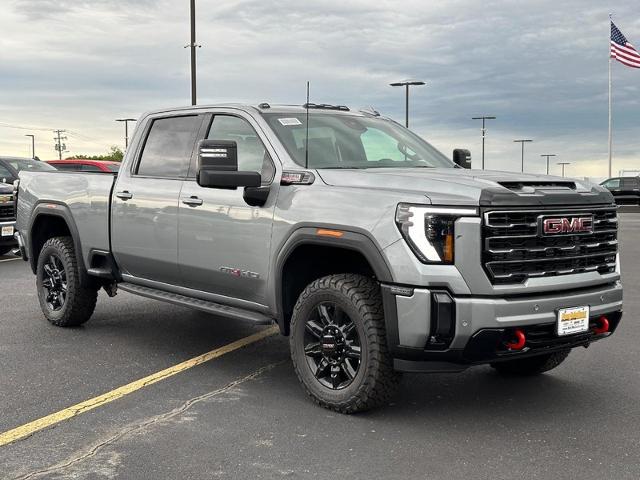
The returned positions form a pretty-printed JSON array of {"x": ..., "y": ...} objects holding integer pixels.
[
  {"x": 338, "y": 344},
  {"x": 532, "y": 365},
  {"x": 64, "y": 302}
]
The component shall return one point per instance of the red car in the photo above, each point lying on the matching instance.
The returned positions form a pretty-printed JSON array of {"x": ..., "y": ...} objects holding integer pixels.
[{"x": 83, "y": 165}]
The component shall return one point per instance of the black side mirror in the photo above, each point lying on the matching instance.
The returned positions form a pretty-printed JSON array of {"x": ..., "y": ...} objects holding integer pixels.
[
  {"x": 462, "y": 157},
  {"x": 218, "y": 166}
]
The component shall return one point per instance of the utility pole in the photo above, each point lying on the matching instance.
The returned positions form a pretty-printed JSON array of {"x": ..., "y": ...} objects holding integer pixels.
[
  {"x": 563, "y": 164},
  {"x": 523, "y": 141},
  {"x": 483, "y": 118},
  {"x": 33, "y": 145},
  {"x": 59, "y": 146},
  {"x": 193, "y": 45},
  {"x": 126, "y": 129},
  {"x": 406, "y": 84},
  {"x": 548, "y": 155}
]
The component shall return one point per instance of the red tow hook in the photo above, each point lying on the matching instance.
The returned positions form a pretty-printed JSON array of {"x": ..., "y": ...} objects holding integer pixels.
[
  {"x": 602, "y": 326},
  {"x": 519, "y": 342}
]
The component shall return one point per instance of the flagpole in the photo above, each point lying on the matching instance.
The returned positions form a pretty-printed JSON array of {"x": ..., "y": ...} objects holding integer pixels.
[{"x": 610, "y": 99}]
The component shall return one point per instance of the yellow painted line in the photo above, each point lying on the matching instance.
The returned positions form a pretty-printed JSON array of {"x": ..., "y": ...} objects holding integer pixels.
[
  {"x": 82, "y": 407},
  {"x": 10, "y": 260}
]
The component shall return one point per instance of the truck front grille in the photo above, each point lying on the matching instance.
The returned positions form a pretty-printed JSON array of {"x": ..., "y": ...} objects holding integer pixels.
[
  {"x": 515, "y": 248},
  {"x": 7, "y": 210}
]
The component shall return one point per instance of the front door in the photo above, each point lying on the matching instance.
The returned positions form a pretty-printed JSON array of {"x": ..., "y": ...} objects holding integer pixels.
[
  {"x": 145, "y": 201},
  {"x": 223, "y": 243}
]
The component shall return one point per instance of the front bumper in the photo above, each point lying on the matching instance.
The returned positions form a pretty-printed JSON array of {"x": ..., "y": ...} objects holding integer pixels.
[{"x": 479, "y": 324}]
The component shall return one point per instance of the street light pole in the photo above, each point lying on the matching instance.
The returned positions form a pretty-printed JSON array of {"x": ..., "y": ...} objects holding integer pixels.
[
  {"x": 563, "y": 164},
  {"x": 548, "y": 155},
  {"x": 483, "y": 118},
  {"x": 193, "y": 45},
  {"x": 126, "y": 129},
  {"x": 33, "y": 145},
  {"x": 522, "y": 142},
  {"x": 406, "y": 84}
]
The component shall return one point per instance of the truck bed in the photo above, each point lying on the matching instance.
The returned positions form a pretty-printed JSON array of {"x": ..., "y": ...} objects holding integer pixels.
[{"x": 86, "y": 196}]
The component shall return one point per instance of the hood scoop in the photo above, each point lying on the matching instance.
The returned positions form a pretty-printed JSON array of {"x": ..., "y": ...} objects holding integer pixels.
[{"x": 532, "y": 186}]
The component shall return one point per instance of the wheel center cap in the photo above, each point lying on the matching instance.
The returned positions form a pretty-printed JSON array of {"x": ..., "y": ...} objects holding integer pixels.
[{"x": 332, "y": 343}]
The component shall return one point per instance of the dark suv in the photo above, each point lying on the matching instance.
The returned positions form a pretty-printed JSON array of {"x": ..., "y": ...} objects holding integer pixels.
[
  {"x": 10, "y": 167},
  {"x": 625, "y": 190}
]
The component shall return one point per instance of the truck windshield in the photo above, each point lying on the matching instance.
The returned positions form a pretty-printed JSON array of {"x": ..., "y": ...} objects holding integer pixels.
[{"x": 350, "y": 141}]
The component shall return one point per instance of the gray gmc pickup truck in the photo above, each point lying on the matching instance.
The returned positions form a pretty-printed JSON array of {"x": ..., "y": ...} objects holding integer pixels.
[{"x": 371, "y": 250}]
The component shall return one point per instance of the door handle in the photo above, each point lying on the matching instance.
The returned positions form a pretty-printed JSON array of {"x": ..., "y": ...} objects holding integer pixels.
[
  {"x": 125, "y": 195},
  {"x": 192, "y": 201}
]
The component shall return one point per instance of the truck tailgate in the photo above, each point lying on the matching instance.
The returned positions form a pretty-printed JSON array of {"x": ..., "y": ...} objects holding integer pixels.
[{"x": 85, "y": 197}]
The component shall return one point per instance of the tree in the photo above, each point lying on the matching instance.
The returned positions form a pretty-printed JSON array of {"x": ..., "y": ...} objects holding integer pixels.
[{"x": 115, "y": 155}]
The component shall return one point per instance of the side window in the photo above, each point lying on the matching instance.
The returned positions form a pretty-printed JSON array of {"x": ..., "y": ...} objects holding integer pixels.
[
  {"x": 252, "y": 156},
  {"x": 613, "y": 183},
  {"x": 89, "y": 168},
  {"x": 66, "y": 166},
  {"x": 629, "y": 183},
  {"x": 168, "y": 147}
]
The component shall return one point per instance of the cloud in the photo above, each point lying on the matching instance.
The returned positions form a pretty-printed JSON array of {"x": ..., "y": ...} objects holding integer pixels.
[{"x": 541, "y": 69}]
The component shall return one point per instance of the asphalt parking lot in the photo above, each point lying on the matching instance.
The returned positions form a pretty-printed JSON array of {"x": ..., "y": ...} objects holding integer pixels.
[{"x": 243, "y": 415}]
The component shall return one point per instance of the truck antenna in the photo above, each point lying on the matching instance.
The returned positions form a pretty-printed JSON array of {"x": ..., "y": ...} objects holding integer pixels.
[{"x": 306, "y": 145}]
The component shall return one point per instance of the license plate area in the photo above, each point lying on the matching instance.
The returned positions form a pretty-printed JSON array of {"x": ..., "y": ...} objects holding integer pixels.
[
  {"x": 572, "y": 320},
  {"x": 7, "y": 231}
]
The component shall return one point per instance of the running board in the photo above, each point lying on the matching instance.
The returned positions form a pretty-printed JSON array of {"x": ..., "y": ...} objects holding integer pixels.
[{"x": 196, "y": 303}]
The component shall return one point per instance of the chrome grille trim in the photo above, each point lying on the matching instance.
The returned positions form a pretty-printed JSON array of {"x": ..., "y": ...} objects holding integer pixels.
[{"x": 514, "y": 250}]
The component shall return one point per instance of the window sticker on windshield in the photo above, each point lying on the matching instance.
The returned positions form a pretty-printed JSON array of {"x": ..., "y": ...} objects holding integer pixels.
[{"x": 289, "y": 121}]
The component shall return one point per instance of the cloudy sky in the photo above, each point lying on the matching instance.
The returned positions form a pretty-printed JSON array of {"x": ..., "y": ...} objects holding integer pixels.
[{"x": 539, "y": 66}]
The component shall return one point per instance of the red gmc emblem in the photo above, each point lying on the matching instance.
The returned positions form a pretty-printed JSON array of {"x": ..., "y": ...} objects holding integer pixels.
[{"x": 566, "y": 225}]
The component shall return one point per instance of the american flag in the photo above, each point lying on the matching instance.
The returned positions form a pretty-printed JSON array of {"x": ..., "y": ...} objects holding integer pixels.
[{"x": 622, "y": 50}]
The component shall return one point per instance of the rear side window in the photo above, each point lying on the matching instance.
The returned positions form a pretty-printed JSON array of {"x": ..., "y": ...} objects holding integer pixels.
[
  {"x": 67, "y": 166},
  {"x": 629, "y": 183},
  {"x": 89, "y": 168},
  {"x": 168, "y": 147}
]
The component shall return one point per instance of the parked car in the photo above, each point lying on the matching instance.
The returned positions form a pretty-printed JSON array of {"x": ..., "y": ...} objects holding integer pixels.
[
  {"x": 7, "y": 219},
  {"x": 83, "y": 165},
  {"x": 369, "y": 248},
  {"x": 625, "y": 190},
  {"x": 10, "y": 167}
]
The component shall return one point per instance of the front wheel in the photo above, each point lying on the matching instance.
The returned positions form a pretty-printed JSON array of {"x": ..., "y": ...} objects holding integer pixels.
[
  {"x": 338, "y": 344},
  {"x": 64, "y": 301},
  {"x": 532, "y": 365}
]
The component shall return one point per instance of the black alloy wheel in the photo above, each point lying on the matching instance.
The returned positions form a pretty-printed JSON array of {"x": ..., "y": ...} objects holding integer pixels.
[
  {"x": 332, "y": 346},
  {"x": 54, "y": 282}
]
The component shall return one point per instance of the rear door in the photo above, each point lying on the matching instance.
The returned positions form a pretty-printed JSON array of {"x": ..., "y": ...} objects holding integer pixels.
[
  {"x": 145, "y": 200},
  {"x": 630, "y": 190},
  {"x": 224, "y": 243}
]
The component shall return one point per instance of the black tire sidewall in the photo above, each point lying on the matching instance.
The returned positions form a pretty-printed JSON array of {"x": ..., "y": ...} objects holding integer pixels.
[{"x": 297, "y": 346}]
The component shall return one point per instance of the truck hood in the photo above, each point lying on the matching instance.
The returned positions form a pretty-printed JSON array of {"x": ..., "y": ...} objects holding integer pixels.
[{"x": 449, "y": 186}]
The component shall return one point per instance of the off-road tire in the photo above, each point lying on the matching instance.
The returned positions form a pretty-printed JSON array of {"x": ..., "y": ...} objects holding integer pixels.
[
  {"x": 80, "y": 300},
  {"x": 375, "y": 381},
  {"x": 532, "y": 365}
]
